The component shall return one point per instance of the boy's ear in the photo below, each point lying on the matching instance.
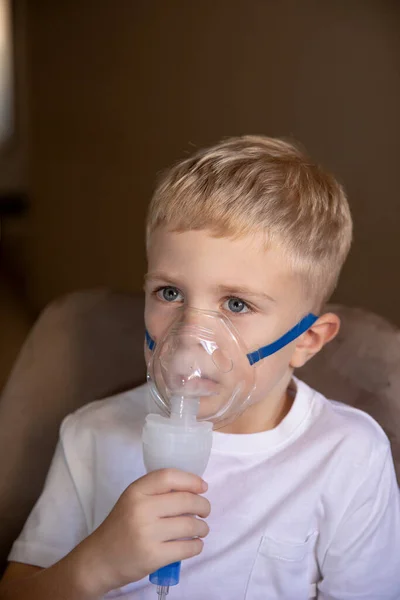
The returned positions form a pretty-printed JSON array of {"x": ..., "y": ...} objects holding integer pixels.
[{"x": 312, "y": 341}]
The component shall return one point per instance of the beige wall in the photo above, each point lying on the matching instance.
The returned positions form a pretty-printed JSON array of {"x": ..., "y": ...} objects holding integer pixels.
[{"x": 120, "y": 89}]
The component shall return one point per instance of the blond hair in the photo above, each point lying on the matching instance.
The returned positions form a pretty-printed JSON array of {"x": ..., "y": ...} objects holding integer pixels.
[{"x": 254, "y": 183}]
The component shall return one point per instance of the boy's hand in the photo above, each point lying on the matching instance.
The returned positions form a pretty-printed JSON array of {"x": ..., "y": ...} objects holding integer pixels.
[{"x": 135, "y": 539}]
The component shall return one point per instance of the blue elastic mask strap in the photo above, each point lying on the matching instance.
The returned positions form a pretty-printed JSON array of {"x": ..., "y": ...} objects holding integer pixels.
[
  {"x": 149, "y": 341},
  {"x": 301, "y": 327},
  {"x": 265, "y": 351}
]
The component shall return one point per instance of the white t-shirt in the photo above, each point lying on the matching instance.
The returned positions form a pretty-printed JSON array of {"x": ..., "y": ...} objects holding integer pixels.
[{"x": 310, "y": 508}]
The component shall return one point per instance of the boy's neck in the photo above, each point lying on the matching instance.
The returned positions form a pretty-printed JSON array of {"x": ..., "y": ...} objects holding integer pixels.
[{"x": 264, "y": 415}]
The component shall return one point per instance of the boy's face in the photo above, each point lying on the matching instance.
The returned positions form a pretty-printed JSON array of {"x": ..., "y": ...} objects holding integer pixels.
[{"x": 252, "y": 286}]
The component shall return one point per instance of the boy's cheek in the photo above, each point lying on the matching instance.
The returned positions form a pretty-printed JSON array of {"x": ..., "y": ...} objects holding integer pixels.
[
  {"x": 147, "y": 353},
  {"x": 260, "y": 330},
  {"x": 157, "y": 321},
  {"x": 269, "y": 372},
  {"x": 152, "y": 317}
]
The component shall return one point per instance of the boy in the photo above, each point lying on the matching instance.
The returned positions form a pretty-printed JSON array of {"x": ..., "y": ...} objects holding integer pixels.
[{"x": 303, "y": 496}]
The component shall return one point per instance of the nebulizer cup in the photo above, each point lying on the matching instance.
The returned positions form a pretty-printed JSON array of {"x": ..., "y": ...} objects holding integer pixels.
[{"x": 199, "y": 378}]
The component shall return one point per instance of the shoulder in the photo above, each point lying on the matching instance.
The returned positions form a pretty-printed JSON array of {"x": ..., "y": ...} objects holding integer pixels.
[
  {"x": 121, "y": 413},
  {"x": 350, "y": 430}
]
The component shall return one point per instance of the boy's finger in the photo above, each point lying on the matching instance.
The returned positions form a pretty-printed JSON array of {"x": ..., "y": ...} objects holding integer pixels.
[
  {"x": 181, "y": 527},
  {"x": 180, "y": 550},
  {"x": 179, "y": 503},
  {"x": 167, "y": 480}
]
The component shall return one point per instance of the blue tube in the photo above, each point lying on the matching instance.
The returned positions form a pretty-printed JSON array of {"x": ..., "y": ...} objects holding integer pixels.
[{"x": 167, "y": 576}]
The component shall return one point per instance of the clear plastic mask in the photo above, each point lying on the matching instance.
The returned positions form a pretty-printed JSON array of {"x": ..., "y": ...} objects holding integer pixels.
[{"x": 202, "y": 357}]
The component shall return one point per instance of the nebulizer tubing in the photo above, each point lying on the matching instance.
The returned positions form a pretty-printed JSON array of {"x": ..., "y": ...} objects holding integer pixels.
[
  {"x": 162, "y": 591},
  {"x": 181, "y": 442}
]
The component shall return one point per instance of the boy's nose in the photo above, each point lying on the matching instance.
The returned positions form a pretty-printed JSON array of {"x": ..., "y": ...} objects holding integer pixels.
[{"x": 200, "y": 317}]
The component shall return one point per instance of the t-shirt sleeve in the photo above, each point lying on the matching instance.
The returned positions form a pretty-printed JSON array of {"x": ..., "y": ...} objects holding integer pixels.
[
  {"x": 57, "y": 522},
  {"x": 363, "y": 560}
]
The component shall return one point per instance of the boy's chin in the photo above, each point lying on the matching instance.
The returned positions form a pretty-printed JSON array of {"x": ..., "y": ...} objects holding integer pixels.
[{"x": 211, "y": 406}]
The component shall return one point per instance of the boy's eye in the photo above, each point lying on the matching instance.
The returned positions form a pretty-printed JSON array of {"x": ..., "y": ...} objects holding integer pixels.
[
  {"x": 236, "y": 305},
  {"x": 169, "y": 294}
]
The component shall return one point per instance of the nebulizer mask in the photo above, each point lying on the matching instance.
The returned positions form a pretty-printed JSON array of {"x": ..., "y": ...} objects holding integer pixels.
[{"x": 201, "y": 376}]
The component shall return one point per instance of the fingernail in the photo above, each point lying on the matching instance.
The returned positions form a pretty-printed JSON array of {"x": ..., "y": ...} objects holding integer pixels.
[{"x": 204, "y": 486}]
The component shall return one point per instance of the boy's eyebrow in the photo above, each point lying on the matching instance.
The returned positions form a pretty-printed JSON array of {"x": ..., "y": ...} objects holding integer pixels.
[
  {"x": 158, "y": 275},
  {"x": 239, "y": 289}
]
